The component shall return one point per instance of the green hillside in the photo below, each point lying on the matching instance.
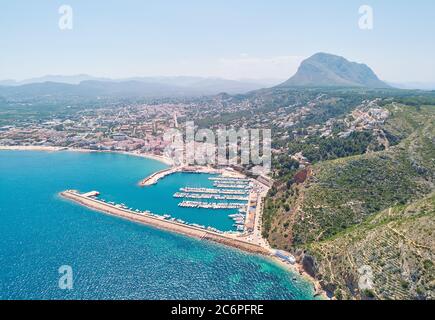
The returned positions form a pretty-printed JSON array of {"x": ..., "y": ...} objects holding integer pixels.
[
  {"x": 340, "y": 198},
  {"x": 397, "y": 245}
]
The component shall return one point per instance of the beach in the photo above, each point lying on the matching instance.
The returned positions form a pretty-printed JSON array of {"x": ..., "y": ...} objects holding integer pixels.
[{"x": 162, "y": 159}]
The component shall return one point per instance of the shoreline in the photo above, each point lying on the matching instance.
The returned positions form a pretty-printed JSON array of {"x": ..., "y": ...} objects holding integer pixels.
[
  {"x": 161, "y": 159},
  {"x": 299, "y": 270},
  {"x": 296, "y": 268}
]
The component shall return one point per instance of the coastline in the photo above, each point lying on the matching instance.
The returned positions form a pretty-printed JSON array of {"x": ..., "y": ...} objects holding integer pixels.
[
  {"x": 161, "y": 159},
  {"x": 296, "y": 268}
]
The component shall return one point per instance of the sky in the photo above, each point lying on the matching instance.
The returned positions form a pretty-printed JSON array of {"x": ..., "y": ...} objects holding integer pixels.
[{"x": 237, "y": 39}]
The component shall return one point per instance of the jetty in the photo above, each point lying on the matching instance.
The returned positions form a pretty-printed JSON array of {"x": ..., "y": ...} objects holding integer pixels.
[
  {"x": 155, "y": 177},
  {"x": 214, "y": 191},
  {"x": 231, "y": 185},
  {"x": 90, "y": 201},
  {"x": 209, "y": 196},
  {"x": 229, "y": 180},
  {"x": 211, "y": 205}
]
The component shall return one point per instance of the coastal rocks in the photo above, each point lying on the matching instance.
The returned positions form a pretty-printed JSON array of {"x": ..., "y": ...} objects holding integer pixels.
[{"x": 308, "y": 263}]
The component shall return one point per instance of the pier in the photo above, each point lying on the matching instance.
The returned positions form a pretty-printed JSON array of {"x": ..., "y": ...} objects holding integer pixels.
[
  {"x": 159, "y": 222},
  {"x": 155, "y": 177},
  {"x": 211, "y": 205},
  {"x": 209, "y": 196},
  {"x": 214, "y": 191},
  {"x": 229, "y": 180},
  {"x": 231, "y": 185}
]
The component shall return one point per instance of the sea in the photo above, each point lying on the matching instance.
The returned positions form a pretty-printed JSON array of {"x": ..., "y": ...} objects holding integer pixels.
[{"x": 42, "y": 235}]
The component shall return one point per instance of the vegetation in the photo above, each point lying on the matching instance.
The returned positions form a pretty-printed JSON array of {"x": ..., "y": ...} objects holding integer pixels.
[
  {"x": 365, "y": 209},
  {"x": 317, "y": 149},
  {"x": 395, "y": 244}
]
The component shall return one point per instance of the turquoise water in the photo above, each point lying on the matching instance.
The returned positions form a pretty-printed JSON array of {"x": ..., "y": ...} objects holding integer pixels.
[
  {"x": 112, "y": 258},
  {"x": 159, "y": 198}
]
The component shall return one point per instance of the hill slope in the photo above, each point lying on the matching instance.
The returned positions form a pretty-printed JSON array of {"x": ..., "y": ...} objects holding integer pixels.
[
  {"x": 327, "y": 70},
  {"x": 337, "y": 215},
  {"x": 395, "y": 246}
]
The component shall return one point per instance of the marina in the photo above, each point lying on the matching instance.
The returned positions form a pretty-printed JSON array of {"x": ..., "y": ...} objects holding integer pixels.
[
  {"x": 225, "y": 190},
  {"x": 211, "y": 205},
  {"x": 165, "y": 222},
  {"x": 231, "y": 186},
  {"x": 227, "y": 179},
  {"x": 210, "y": 196},
  {"x": 229, "y": 193},
  {"x": 214, "y": 191}
]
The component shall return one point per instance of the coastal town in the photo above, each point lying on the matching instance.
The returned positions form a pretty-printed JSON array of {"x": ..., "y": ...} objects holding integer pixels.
[{"x": 139, "y": 129}]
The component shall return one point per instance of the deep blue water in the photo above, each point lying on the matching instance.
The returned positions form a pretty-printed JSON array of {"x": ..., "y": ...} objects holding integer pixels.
[{"x": 112, "y": 258}]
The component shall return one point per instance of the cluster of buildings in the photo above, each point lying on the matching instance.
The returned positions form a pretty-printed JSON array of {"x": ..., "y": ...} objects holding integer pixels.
[
  {"x": 369, "y": 116},
  {"x": 130, "y": 128}
]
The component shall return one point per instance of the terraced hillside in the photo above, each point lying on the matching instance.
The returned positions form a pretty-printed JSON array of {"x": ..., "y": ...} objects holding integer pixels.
[
  {"x": 394, "y": 249},
  {"x": 335, "y": 213}
]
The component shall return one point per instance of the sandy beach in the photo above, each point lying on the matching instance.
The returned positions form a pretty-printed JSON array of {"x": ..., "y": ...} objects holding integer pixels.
[
  {"x": 298, "y": 268},
  {"x": 162, "y": 159}
]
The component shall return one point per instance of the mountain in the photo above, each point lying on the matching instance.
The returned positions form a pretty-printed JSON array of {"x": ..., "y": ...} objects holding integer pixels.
[
  {"x": 72, "y": 79},
  {"x": 91, "y": 89},
  {"x": 149, "y": 87},
  {"x": 8, "y": 82},
  {"x": 327, "y": 70},
  {"x": 427, "y": 86}
]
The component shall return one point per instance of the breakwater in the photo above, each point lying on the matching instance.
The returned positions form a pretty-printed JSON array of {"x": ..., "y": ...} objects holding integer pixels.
[{"x": 161, "y": 223}]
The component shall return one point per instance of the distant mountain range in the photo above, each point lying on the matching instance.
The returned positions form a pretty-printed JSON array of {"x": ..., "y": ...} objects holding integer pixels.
[
  {"x": 414, "y": 85},
  {"x": 327, "y": 70},
  {"x": 320, "y": 70},
  {"x": 88, "y": 86}
]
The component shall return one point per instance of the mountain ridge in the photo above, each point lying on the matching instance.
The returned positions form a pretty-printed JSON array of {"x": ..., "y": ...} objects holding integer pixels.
[
  {"x": 328, "y": 70},
  {"x": 88, "y": 86}
]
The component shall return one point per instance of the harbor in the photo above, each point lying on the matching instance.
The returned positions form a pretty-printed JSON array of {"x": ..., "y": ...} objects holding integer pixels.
[
  {"x": 226, "y": 190},
  {"x": 166, "y": 222},
  {"x": 245, "y": 214},
  {"x": 235, "y": 195}
]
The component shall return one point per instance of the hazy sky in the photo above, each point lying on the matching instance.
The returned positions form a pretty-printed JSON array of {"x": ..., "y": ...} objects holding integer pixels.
[{"x": 232, "y": 39}]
